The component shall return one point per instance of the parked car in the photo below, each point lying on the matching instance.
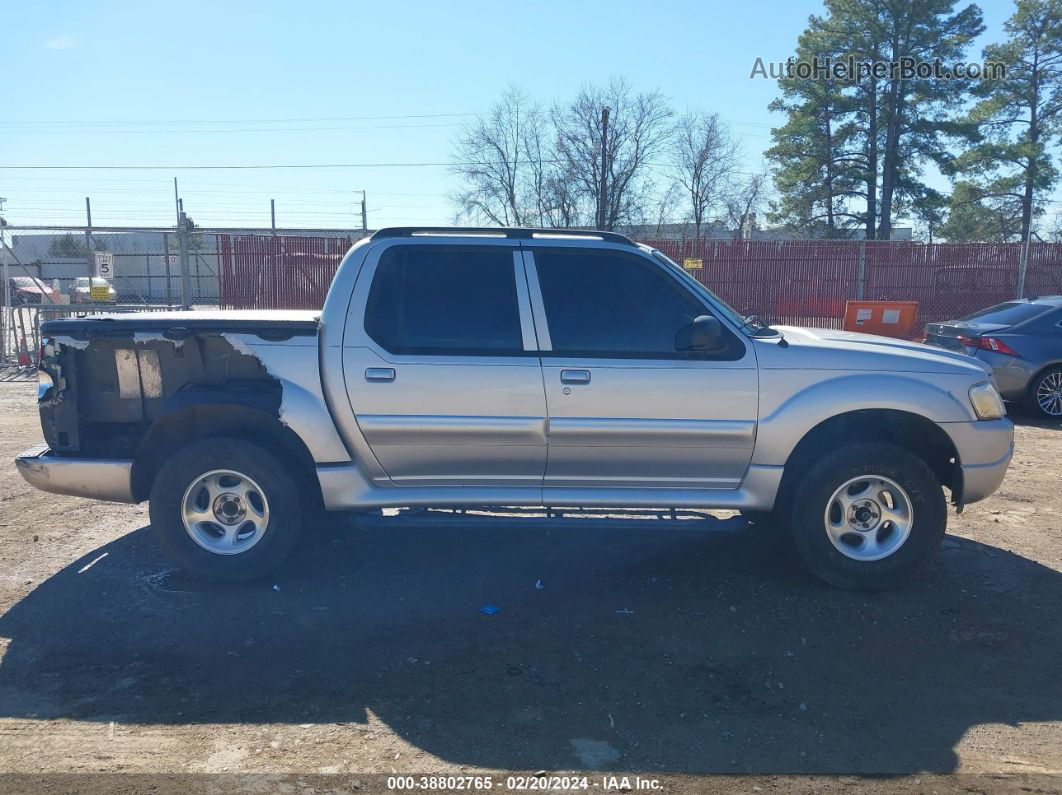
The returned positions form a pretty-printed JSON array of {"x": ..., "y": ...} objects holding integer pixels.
[
  {"x": 514, "y": 367},
  {"x": 31, "y": 290},
  {"x": 1021, "y": 341},
  {"x": 81, "y": 291}
]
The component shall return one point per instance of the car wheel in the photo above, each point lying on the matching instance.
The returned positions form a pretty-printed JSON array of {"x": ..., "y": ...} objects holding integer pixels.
[
  {"x": 867, "y": 516},
  {"x": 225, "y": 509},
  {"x": 1044, "y": 398}
]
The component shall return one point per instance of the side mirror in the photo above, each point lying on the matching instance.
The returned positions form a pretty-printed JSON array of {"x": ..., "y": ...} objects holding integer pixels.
[{"x": 705, "y": 333}]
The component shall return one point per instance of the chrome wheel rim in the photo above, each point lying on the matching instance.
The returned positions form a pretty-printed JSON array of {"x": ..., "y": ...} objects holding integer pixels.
[
  {"x": 225, "y": 512},
  {"x": 1049, "y": 394},
  {"x": 869, "y": 517}
]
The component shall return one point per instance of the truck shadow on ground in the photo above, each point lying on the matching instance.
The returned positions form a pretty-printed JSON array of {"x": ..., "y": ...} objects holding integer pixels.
[{"x": 651, "y": 646}]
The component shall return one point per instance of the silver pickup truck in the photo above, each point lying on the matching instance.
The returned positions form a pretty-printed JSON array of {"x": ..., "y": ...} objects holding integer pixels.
[{"x": 458, "y": 367}]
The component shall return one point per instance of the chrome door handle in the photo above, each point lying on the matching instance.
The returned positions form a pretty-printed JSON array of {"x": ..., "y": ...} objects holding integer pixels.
[
  {"x": 380, "y": 374},
  {"x": 575, "y": 376}
]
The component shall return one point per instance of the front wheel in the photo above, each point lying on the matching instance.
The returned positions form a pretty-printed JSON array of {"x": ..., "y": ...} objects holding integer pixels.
[
  {"x": 867, "y": 516},
  {"x": 225, "y": 509}
]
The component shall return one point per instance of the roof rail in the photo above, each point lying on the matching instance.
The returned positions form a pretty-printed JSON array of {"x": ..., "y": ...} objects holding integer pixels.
[{"x": 513, "y": 233}]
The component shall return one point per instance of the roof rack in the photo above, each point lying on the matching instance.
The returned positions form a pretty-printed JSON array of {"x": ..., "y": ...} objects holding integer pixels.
[{"x": 513, "y": 233}]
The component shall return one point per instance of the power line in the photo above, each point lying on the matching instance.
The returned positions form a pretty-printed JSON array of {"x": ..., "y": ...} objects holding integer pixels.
[
  {"x": 291, "y": 120},
  {"x": 230, "y": 130}
]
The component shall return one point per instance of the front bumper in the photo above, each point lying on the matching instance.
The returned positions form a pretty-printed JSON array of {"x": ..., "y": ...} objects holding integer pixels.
[
  {"x": 97, "y": 478},
  {"x": 985, "y": 448}
]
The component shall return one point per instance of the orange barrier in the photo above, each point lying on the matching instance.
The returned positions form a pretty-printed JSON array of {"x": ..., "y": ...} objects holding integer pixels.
[{"x": 887, "y": 318}]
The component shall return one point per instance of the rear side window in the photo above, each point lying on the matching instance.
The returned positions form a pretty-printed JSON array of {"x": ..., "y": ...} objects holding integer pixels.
[
  {"x": 614, "y": 305},
  {"x": 445, "y": 301},
  {"x": 1009, "y": 313}
]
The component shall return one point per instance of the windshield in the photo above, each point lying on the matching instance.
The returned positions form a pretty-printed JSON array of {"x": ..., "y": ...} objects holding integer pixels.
[
  {"x": 732, "y": 314},
  {"x": 1009, "y": 313}
]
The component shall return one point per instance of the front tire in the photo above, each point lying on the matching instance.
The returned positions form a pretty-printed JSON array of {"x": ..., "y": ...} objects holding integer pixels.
[
  {"x": 1044, "y": 398},
  {"x": 226, "y": 510},
  {"x": 868, "y": 516}
]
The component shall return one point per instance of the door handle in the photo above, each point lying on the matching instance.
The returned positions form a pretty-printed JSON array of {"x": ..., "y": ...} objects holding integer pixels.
[
  {"x": 575, "y": 376},
  {"x": 379, "y": 374}
]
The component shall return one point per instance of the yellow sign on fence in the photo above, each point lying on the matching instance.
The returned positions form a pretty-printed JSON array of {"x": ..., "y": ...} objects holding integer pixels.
[
  {"x": 100, "y": 294},
  {"x": 693, "y": 263}
]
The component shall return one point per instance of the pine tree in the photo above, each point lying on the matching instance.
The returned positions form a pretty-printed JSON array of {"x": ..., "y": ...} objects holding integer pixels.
[{"x": 1019, "y": 116}]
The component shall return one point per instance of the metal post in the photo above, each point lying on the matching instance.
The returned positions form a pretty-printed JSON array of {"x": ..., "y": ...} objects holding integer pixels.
[
  {"x": 182, "y": 245},
  {"x": 364, "y": 215},
  {"x": 176, "y": 201},
  {"x": 861, "y": 277},
  {"x": 89, "y": 256},
  {"x": 1023, "y": 262},
  {"x": 273, "y": 216},
  {"x": 7, "y": 285},
  {"x": 166, "y": 263}
]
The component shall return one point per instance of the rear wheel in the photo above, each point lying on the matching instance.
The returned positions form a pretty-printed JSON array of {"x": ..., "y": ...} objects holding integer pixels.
[
  {"x": 226, "y": 509},
  {"x": 1044, "y": 398},
  {"x": 868, "y": 516}
]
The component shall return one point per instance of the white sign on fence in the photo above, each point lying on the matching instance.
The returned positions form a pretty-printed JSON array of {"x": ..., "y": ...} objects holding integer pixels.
[{"x": 105, "y": 264}]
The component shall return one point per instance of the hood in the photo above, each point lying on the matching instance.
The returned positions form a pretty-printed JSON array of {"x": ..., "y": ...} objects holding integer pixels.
[{"x": 849, "y": 350}]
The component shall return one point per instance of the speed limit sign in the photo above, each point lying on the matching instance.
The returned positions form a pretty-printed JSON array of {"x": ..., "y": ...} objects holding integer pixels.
[{"x": 105, "y": 264}]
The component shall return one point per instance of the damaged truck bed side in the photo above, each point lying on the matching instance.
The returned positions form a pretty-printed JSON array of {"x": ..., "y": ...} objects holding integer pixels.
[
  {"x": 513, "y": 367},
  {"x": 131, "y": 389}
]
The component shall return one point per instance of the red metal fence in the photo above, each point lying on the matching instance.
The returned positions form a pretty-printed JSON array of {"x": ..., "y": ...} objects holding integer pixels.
[
  {"x": 277, "y": 272},
  {"x": 802, "y": 282},
  {"x": 806, "y": 282}
]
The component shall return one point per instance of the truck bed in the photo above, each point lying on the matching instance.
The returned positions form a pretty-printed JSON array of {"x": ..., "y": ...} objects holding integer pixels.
[{"x": 114, "y": 375}]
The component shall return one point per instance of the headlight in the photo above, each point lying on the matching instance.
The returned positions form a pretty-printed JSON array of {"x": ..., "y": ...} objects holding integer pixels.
[{"x": 986, "y": 402}]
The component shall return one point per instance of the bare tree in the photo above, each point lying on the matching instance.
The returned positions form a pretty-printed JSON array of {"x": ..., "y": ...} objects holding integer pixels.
[
  {"x": 639, "y": 128},
  {"x": 500, "y": 157},
  {"x": 744, "y": 200},
  {"x": 705, "y": 156}
]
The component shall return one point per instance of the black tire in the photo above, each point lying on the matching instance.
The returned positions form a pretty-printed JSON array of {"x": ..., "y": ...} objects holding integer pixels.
[
  {"x": 1032, "y": 405},
  {"x": 813, "y": 496},
  {"x": 284, "y": 518}
]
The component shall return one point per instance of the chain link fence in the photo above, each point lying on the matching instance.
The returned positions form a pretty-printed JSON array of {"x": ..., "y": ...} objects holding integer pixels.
[{"x": 56, "y": 271}]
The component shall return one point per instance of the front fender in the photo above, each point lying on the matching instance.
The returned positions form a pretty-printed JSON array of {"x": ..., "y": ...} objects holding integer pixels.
[{"x": 788, "y": 414}]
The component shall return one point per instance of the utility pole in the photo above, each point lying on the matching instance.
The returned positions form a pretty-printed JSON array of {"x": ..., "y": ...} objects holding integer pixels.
[
  {"x": 602, "y": 199},
  {"x": 7, "y": 284},
  {"x": 364, "y": 216},
  {"x": 91, "y": 259}
]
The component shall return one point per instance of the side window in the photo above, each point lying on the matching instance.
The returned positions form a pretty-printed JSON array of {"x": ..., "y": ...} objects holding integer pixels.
[
  {"x": 605, "y": 304},
  {"x": 445, "y": 301}
]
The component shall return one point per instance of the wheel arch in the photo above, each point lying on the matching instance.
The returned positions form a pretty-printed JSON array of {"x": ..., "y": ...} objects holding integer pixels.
[
  {"x": 911, "y": 431},
  {"x": 204, "y": 415}
]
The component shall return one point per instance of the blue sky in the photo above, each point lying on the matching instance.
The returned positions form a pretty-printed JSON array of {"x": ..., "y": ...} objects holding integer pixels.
[{"x": 240, "y": 83}]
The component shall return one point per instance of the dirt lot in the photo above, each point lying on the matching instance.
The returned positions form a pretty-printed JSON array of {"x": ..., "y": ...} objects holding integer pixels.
[{"x": 705, "y": 660}]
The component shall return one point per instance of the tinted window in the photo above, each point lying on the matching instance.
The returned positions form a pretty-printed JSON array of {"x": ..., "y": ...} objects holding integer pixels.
[
  {"x": 445, "y": 301},
  {"x": 612, "y": 305},
  {"x": 1009, "y": 313}
]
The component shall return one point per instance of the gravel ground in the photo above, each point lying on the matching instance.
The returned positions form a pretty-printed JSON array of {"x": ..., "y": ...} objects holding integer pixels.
[{"x": 703, "y": 660}]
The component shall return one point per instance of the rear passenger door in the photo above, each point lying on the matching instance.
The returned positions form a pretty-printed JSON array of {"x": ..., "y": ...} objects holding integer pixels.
[
  {"x": 625, "y": 408},
  {"x": 441, "y": 368}
]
